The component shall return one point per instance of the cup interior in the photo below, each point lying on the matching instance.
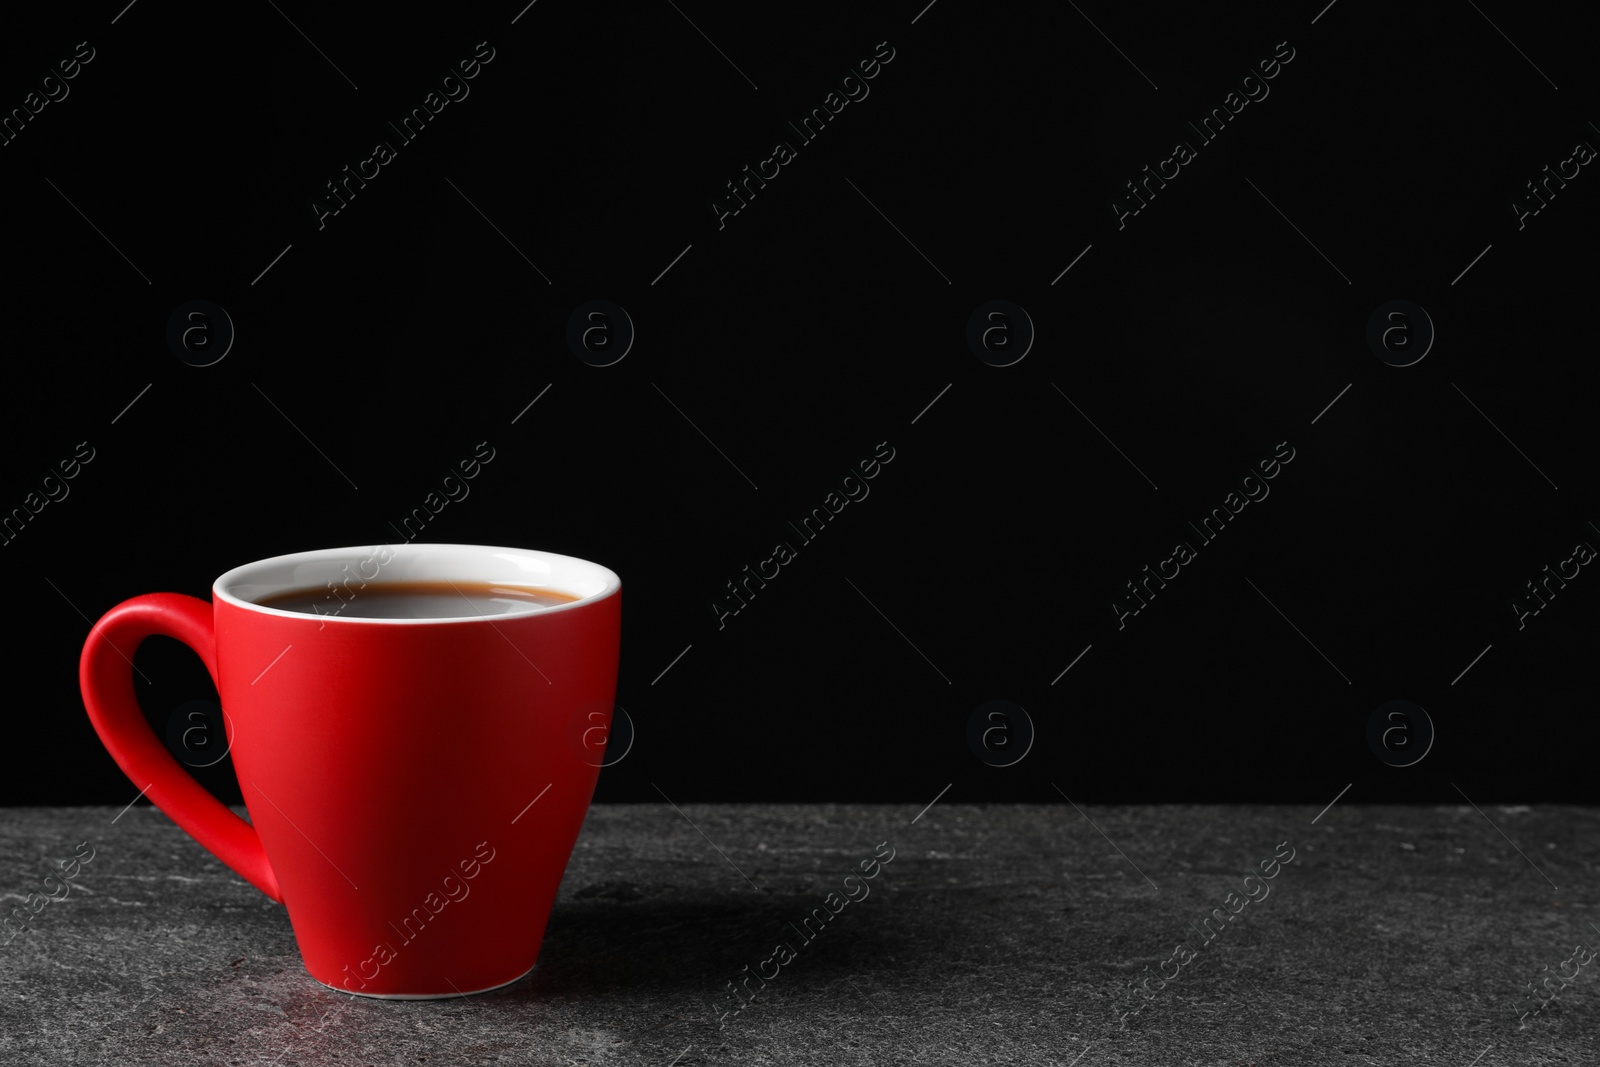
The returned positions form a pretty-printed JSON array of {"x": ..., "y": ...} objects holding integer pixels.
[{"x": 520, "y": 567}]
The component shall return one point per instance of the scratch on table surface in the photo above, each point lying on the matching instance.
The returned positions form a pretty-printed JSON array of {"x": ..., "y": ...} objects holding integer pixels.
[{"x": 170, "y": 878}]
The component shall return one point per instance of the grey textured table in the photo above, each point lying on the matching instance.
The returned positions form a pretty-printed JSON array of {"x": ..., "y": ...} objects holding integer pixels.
[{"x": 997, "y": 935}]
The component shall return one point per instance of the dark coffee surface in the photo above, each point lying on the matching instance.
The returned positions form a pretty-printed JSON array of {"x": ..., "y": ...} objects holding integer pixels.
[{"x": 414, "y": 600}]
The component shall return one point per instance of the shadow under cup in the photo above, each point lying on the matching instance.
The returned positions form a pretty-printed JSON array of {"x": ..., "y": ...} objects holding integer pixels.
[{"x": 417, "y": 785}]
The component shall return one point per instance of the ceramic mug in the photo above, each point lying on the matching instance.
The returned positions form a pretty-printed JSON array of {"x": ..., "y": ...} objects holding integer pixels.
[{"x": 415, "y": 786}]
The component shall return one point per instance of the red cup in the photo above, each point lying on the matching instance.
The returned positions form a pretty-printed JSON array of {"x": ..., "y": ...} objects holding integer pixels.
[{"x": 415, "y": 786}]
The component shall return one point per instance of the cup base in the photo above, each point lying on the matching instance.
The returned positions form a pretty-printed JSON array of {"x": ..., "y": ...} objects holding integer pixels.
[{"x": 453, "y": 994}]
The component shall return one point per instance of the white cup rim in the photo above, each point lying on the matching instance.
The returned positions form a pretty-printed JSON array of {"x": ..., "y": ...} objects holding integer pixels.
[{"x": 526, "y": 567}]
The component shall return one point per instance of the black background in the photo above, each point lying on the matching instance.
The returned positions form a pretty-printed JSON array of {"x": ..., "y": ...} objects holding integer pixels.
[{"x": 824, "y": 319}]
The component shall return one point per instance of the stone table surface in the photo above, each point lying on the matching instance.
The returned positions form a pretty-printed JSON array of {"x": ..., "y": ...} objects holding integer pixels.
[{"x": 997, "y": 935}]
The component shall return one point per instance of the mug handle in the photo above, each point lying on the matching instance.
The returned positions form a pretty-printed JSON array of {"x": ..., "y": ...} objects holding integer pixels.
[{"x": 105, "y": 673}]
